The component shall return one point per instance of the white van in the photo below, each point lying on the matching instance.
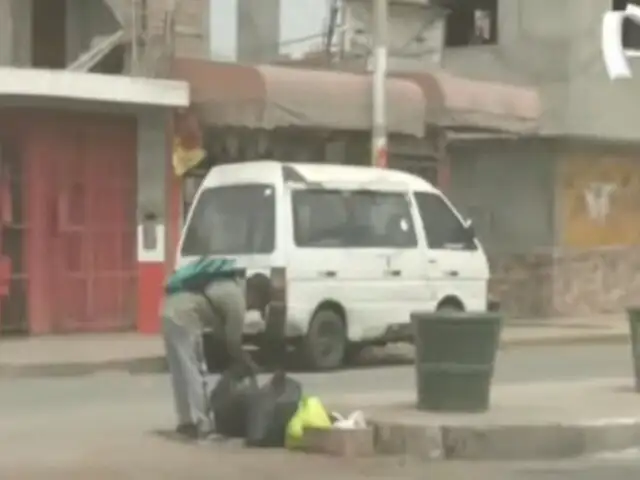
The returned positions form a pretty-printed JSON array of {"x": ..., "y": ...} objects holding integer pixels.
[{"x": 350, "y": 251}]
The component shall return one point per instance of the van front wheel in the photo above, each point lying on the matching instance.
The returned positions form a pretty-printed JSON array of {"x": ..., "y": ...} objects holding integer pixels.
[{"x": 324, "y": 347}]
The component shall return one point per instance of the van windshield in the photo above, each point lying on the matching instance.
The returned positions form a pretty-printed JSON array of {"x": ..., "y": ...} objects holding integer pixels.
[
  {"x": 237, "y": 219},
  {"x": 352, "y": 219}
]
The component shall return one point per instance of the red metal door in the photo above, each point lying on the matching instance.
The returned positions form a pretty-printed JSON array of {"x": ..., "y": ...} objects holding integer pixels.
[
  {"x": 94, "y": 269},
  {"x": 13, "y": 275}
]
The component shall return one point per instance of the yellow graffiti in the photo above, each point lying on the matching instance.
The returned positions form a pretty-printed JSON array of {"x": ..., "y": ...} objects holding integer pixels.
[{"x": 599, "y": 201}]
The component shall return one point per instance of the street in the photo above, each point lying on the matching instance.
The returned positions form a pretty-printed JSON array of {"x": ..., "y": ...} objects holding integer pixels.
[
  {"x": 270, "y": 465},
  {"x": 339, "y": 166},
  {"x": 522, "y": 365},
  {"x": 104, "y": 425}
]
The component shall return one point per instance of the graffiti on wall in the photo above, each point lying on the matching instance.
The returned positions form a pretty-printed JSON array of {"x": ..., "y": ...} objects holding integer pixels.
[
  {"x": 599, "y": 201},
  {"x": 597, "y": 197}
]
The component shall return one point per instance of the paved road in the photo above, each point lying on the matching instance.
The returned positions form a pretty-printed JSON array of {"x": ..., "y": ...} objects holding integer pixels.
[
  {"x": 530, "y": 364},
  {"x": 222, "y": 462},
  {"x": 102, "y": 426}
]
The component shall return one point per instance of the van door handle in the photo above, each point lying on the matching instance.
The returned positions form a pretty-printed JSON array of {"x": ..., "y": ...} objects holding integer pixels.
[
  {"x": 452, "y": 273},
  {"x": 328, "y": 274},
  {"x": 393, "y": 273}
]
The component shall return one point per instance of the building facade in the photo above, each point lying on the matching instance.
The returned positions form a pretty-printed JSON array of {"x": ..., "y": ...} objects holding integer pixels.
[
  {"x": 555, "y": 208},
  {"x": 565, "y": 242},
  {"x": 84, "y": 160}
]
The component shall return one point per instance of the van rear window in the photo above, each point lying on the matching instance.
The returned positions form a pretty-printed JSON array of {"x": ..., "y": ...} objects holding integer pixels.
[
  {"x": 352, "y": 219},
  {"x": 235, "y": 220}
]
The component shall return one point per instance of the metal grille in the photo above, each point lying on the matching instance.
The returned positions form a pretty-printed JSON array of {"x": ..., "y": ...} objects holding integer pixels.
[{"x": 13, "y": 231}]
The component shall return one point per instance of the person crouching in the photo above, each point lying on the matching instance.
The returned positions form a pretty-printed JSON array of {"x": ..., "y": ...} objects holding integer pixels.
[{"x": 213, "y": 294}]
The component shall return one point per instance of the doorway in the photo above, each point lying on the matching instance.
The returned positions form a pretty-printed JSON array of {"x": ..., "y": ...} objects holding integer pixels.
[
  {"x": 49, "y": 34},
  {"x": 93, "y": 262},
  {"x": 423, "y": 167}
]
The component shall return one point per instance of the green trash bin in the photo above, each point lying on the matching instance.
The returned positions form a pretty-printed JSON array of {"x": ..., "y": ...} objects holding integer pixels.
[
  {"x": 455, "y": 357},
  {"x": 633, "y": 315}
]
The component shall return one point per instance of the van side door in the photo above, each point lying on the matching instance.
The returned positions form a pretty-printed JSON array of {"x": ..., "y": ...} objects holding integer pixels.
[
  {"x": 454, "y": 259},
  {"x": 330, "y": 259}
]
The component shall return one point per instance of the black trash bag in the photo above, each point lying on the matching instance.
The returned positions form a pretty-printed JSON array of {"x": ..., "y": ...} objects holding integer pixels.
[
  {"x": 229, "y": 402},
  {"x": 271, "y": 409}
]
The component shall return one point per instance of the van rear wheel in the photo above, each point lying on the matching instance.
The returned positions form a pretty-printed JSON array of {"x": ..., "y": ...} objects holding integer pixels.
[
  {"x": 324, "y": 347},
  {"x": 450, "y": 306}
]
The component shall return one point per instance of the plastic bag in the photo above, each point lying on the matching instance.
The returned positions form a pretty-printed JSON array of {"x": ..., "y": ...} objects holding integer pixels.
[
  {"x": 310, "y": 414},
  {"x": 229, "y": 402},
  {"x": 354, "y": 421},
  {"x": 270, "y": 411}
]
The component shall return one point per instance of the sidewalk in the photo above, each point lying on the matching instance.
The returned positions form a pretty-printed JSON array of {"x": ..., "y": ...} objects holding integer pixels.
[
  {"x": 134, "y": 353},
  {"x": 539, "y": 421}
]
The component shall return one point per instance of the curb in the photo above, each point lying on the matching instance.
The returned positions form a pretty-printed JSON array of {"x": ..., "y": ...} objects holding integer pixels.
[
  {"x": 157, "y": 363},
  {"x": 505, "y": 442},
  {"x": 136, "y": 366},
  {"x": 613, "y": 338}
]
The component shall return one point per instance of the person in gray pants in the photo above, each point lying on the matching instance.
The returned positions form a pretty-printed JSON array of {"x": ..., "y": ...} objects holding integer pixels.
[{"x": 221, "y": 306}]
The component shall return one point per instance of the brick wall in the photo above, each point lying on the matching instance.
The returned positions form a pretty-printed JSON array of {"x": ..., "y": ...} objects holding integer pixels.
[
  {"x": 191, "y": 25},
  {"x": 576, "y": 282},
  {"x": 192, "y": 28}
]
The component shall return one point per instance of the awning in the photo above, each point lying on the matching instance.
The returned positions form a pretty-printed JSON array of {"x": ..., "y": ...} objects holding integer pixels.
[
  {"x": 461, "y": 103},
  {"x": 269, "y": 97}
]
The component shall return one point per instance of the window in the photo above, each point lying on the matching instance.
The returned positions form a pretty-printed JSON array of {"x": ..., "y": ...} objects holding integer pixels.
[
  {"x": 48, "y": 35},
  {"x": 630, "y": 30},
  {"x": 472, "y": 22},
  {"x": 352, "y": 219},
  {"x": 442, "y": 227},
  {"x": 238, "y": 219},
  {"x": 423, "y": 167},
  {"x": 190, "y": 186}
]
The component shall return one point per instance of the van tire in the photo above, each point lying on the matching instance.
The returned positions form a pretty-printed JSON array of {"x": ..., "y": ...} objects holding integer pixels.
[
  {"x": 325, "y": 345},
  {"x": 450, "y": 307}
]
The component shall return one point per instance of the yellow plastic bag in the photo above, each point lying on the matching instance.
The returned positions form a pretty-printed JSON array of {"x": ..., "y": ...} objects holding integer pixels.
[{"x": 310, "y": 414}]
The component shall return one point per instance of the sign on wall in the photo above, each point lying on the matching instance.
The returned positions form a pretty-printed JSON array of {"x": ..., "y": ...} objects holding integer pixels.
[
  {"x": 599, "y": 200},
  {"x": 616, "y": 57}
]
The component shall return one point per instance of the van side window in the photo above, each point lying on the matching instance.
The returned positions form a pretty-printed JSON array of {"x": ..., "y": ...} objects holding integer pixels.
[
  {"x": 352, "y": 219},
  {"x": 442, "y": 227}
]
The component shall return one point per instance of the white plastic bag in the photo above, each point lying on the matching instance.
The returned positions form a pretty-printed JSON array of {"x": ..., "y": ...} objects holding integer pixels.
[{"x": 354, "y": 421}]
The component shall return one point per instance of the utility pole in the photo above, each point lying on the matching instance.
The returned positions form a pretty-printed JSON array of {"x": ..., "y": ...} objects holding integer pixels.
[{"x": 379, "y": 149}]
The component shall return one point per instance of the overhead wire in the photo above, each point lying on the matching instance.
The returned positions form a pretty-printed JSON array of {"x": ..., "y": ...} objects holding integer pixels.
[{"x": 334, "y": 9}]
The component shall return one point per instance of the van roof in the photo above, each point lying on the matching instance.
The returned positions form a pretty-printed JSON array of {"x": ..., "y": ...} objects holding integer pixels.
[{"x": 258, "y": 171}]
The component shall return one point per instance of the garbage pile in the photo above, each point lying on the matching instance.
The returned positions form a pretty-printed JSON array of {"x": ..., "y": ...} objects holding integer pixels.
[{"x": 275, "y": 414}]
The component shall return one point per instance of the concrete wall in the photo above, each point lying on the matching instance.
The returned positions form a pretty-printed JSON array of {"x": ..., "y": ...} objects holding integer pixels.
[
  {"x": 20, "y": 50},
  {"x": 415, "y": 33},
  {"x": 507, "y": 188},
  {"x": 6, "y": 33},
  {"x": 193, "y": 37},
  {"x": 258, "y": 30},
  {"x": 152, "y": 155},
  {"x": 191, "y": 19},
  {"x": 554, "y": 45}
]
